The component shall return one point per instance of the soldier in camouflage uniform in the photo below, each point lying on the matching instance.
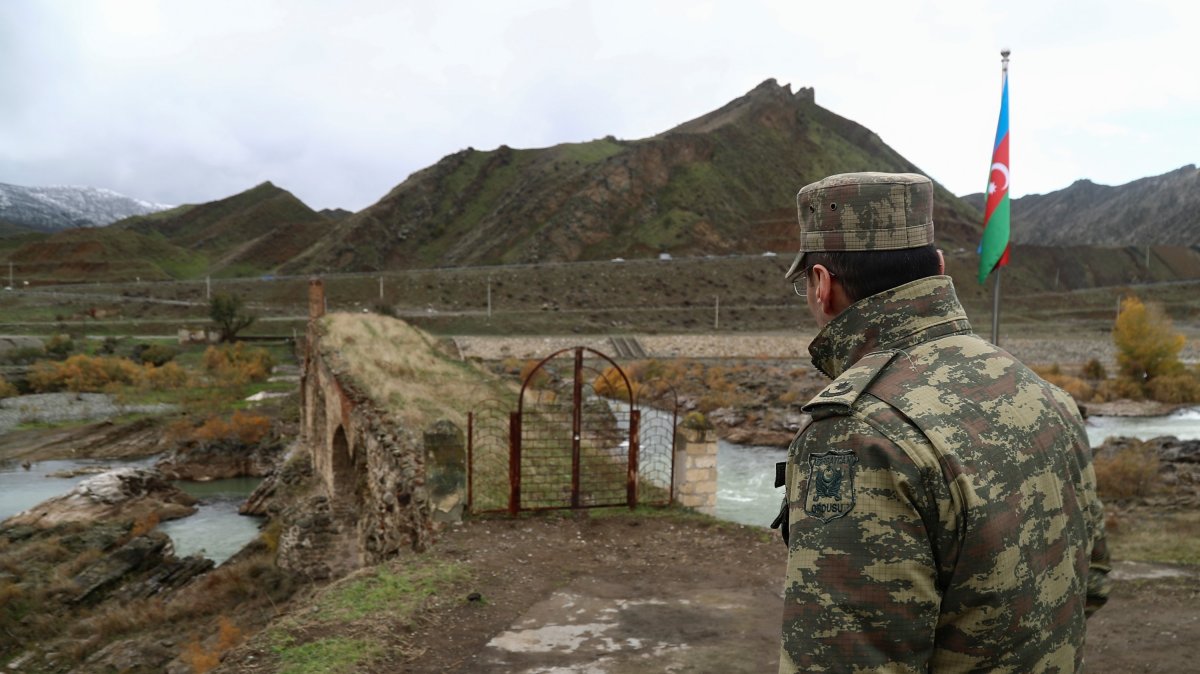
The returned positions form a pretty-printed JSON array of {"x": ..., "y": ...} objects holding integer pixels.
[{"x": 941, "y": 506}]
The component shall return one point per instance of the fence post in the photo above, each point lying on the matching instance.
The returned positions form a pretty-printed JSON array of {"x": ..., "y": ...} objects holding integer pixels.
[{"x": 631, "y": 488}]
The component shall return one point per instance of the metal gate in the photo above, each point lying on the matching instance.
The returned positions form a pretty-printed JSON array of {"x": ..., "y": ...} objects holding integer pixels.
[{"x": 576, "y": 440}]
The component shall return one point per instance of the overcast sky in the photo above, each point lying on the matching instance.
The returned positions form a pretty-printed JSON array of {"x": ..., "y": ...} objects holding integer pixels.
[{"x": 190, "y": 101}]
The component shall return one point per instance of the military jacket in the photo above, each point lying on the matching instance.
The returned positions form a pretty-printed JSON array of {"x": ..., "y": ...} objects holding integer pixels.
[{"x": 942, "y": 502}]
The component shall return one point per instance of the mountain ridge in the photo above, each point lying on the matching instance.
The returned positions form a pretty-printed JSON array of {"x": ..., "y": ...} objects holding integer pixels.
[
  {"x": 1155, "y": 210},
  {"x": 57, "y": 207}
]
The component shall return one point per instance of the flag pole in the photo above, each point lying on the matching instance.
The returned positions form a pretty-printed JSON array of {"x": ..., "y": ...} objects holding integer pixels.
[{"x": 996, "y": 286}]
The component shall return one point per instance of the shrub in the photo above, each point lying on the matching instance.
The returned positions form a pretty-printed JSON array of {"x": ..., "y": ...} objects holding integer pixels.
[
  {"x": 1078, "y": 389},
  {"x": 80, "y": 373},
  {"x": 60, "y": 346},
  {"x": 7, "y": 390},
  {"x": 1183, "y": 387},
  {"x": 540, "y": 376},
  {"x": 1147, "y": 346},
  {"x": 108, "y": 347},
  {"x": 611, "y": 384},
  {"x": 166, "y": 378},
  {"x": 1117, "y": 389},
  {"x": 1094, "y": 370},
  {"x": 237, "y": 364},
  {"x": 154, "y": 354},
  {"x": 1128, "y": 473},
  {"x": 242, "y": 428}
]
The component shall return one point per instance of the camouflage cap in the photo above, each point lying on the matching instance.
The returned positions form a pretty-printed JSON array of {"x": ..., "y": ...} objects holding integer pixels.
[{"x": 864, "y": 211}]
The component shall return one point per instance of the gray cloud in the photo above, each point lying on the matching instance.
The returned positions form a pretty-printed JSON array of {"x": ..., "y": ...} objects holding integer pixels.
[{"x": 339, "y": 102}]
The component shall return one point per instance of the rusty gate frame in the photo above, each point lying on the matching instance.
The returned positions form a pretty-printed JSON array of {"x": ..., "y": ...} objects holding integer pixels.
[{"x": 515, "y": 440}]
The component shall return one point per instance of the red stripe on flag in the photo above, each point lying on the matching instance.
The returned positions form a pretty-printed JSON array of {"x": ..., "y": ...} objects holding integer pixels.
[
  {"x": 997, "y": 177},
  {"x": 1003, "y": 262}
]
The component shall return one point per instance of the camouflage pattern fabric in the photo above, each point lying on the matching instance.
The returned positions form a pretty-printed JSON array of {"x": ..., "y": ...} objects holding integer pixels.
[
  {"x": 942, "y": 502},
  {"x": 865, "y": 211}
]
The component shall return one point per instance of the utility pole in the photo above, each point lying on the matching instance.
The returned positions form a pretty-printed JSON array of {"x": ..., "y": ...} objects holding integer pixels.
[
  {"x": 10, "y": 275},
  {"x": 489, "y": 295},
  {"x": 717, "y": 312},
  {"x": 208, "y": 287},
  {"x": 381, "y": 289}
]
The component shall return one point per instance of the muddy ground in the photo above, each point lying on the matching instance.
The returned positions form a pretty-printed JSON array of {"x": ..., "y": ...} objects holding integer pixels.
[{"x": 620, "y": 593}]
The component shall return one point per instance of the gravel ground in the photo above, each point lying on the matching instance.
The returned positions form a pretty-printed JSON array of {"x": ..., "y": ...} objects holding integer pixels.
[
  {"x": 1069, "y": 352},
  {"x": 53, "y": 408}
]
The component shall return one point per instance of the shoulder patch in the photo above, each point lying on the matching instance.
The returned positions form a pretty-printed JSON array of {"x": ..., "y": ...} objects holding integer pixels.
[
  {"x": 845, "y": 390},
  {"x": 830, "y": 491}
]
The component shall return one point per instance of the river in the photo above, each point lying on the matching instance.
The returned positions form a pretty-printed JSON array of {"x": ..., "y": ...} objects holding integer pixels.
[
  {"x": 216, "y": 529},
  {"x": 745, "y": 485},
  {"x": 746, "y": 475}
]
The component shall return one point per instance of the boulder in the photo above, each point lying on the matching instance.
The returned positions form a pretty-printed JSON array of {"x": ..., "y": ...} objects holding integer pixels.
[{"x": 123, "y": 493}]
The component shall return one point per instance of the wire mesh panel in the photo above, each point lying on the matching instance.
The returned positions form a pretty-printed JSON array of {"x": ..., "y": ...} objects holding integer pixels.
[
  {"x": 604, "y": 454},
  {"x": 487, "y": 445},
  {"x": 656, "y": 452},
  {"x": 547, "y": 456}
]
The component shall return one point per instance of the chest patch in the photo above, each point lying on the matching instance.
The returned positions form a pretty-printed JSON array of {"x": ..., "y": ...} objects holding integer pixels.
[{"x": 830, "y": 491}]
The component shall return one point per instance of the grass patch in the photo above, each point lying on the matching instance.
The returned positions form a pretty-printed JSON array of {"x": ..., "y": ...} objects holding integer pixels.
[
  {"x": 1165, "y": 538},
  {"x": 395, "y": 362},
  {"x": 327, "y": 656},
  {"x": 396, "y": 591}
]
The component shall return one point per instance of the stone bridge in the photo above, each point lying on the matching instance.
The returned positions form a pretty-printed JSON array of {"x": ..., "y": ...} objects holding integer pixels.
[
  {"x": 373, "y": 500},
  {"x": 383, "y": 488}
]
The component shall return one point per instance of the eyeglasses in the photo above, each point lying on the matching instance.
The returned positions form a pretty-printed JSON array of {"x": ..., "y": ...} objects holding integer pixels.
[{"x": 800, "y": 285}]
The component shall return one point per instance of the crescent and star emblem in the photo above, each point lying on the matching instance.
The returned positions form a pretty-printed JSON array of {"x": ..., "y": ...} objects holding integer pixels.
[{"x": 1004, "y": 172}]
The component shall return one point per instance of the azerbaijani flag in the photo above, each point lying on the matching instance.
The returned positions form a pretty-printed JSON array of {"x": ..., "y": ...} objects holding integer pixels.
[{"x": 993, "y": 250}]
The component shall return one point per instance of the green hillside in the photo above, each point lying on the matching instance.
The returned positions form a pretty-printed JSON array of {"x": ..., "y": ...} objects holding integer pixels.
[
  {"x": 724, "y": 182},
  {"x": 247, "y": 234},
  {"x": 102, "y": 254}
]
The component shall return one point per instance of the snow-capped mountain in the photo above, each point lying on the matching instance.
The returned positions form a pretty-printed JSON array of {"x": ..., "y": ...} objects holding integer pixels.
[{"x": 50, "y": 209}]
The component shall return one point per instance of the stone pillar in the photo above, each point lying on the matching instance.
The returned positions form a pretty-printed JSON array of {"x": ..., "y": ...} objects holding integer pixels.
[
  {"x": 446, "y": 471},
  {"x": 316, "y": 299},
  {"x": 696, "y": 466}
]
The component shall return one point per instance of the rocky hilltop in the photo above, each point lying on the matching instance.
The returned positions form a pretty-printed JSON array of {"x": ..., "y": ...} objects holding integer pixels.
[
  {"x": 723, "y": 182},
  {"x": 1161, "y": 210}
]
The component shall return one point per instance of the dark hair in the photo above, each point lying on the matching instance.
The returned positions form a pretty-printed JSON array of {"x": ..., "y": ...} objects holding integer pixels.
[{"x": 865, "y": 273}]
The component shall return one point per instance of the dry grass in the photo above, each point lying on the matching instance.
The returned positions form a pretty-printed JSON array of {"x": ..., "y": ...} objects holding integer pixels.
[
  {"x": 400, "y": 367},
  {"x": 1129, "y": 473},
  {"x": 1155, "y": 536}
]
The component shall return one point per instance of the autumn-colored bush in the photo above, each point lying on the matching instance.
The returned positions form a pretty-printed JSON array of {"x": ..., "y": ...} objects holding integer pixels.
[
  {"x": 539, "y": 375},
  {"x": 237, "y": 364},
  {"x": 7, "y": 390},
  {"x": 1078, "y": 389},
  {"x": 611, "y": 384},
  {"x": 1147, "y": 345},
  {"x": 166, "y": 378},
  {"x": 1182, "y": 387},
  {"x": 243, "y": 428},
  {"x": 81, "y": 373},
  {"x": 202, "y": 659},
  {"x": 1118, "y": 389},
  {"x": 1128, "y": 473}
]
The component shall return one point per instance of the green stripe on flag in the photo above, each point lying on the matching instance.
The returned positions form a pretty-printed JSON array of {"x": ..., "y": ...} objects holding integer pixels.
[{"x": 995, "y": 239}]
